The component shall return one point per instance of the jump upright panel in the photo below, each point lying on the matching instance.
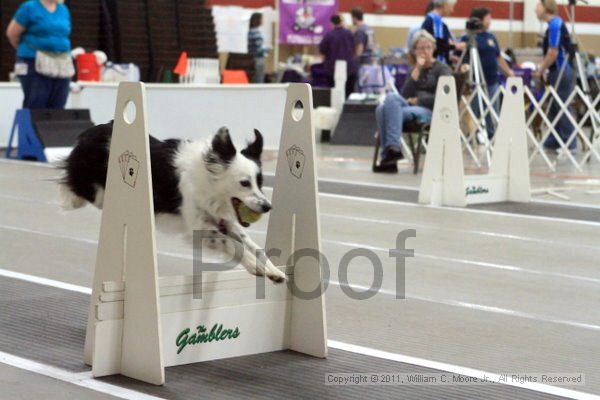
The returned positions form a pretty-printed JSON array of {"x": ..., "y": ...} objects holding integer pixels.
[
  {"x": 444, "y": 181},
  {"x": 140, "y": 323},
  {"x": 127, "y": 251}
]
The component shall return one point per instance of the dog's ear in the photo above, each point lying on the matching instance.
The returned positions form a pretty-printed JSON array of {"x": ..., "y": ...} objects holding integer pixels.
[
  {"x": 222, "y": 146},
  {"x": 254, "y": 149}
]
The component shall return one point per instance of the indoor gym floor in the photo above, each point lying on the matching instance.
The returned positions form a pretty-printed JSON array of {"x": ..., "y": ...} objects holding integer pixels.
[{"x": 500, "y": 288}]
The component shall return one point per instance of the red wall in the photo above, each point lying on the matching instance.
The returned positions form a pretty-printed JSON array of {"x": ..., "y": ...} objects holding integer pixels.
[
  {"x": 412, "y": 7},
  {"x": 500, "y": 9}
]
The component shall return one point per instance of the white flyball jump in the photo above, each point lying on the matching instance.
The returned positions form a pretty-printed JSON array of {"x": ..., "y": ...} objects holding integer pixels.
[
  {"x": 140, "y": 323},
  {"x": 444, "y": 181}
]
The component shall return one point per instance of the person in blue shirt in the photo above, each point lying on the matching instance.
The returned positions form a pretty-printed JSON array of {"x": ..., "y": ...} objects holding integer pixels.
[
  {"x": 556, "y": 46},
  {"x": 40, "y": 25},
  {"x": 256, "y": 47},
  {"x": 492, "y": 62},
  {"x": 434, "y": 24}
]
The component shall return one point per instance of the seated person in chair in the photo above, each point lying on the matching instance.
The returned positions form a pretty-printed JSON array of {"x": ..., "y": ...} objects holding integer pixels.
[{"x": 416, "y": 101}]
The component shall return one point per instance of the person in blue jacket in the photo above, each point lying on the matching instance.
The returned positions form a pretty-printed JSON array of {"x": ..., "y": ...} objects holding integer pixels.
[
  {"x": 556, "y": 46},
  {"x": 435, "y": 25},
  {"x": 40, "y": 25},
  {"x": 492, "y": 62}
]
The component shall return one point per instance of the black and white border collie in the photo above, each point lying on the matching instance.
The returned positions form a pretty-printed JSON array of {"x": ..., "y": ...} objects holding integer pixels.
[{"x": 197, "y": 184}]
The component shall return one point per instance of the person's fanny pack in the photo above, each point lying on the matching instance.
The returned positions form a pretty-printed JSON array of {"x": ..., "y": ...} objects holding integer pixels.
[{"x": 54, "y": 65}]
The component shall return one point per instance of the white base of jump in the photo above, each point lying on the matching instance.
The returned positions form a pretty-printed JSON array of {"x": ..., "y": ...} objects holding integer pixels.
[
  {"x": 444, "y": 181},
  {"x": 140, "y": 323},
  {"x": 241, "y": 324}
]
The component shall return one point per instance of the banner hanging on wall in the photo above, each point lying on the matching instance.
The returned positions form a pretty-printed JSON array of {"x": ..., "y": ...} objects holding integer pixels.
[{"x": 305, "y": 21}]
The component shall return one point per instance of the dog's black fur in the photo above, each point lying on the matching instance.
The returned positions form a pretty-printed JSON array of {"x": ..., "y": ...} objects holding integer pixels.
[{"x": 86, "y": 168}]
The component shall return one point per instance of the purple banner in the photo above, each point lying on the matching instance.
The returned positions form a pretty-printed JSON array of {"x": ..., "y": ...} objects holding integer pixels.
[{"x": 305, "y": 21}]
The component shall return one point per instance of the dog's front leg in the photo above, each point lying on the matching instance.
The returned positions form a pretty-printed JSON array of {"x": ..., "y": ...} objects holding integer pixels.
[
  {"x": 232, "y": 245},
  {"x": 250, "y": 247}
]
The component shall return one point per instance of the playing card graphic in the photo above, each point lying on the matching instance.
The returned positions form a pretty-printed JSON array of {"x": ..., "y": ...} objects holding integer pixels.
[
  {"x": 129, "y": 168},
  {"x": 296, "y": 160}
]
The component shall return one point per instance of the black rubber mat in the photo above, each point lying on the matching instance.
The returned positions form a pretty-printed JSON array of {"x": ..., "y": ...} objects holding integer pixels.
[
  {"x": 578, "y": 213},
  {"x": 47, "y": 325}
]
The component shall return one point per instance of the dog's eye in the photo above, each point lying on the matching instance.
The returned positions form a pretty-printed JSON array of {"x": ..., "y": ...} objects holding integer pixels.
[{"x": 245, "y": 183}]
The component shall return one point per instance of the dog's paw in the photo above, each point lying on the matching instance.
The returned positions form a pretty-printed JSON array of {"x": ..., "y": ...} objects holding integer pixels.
[{"x": 275, "y": 274}]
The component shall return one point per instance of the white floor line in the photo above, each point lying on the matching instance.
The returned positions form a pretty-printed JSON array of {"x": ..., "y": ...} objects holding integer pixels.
[
  {"x": 475, "y": 373},
  {"x": 411, "y": 224},
  {"x": 408, "y": 224},
  {"x": 569, "y": 204},
  {"x": 354, "y": 183},
  {"x": 447, "y": 302},
  {"x": 351, "y": 245},
  {"x": 26, "y": 163},
  {"x": 481, "y": 264},
  {"x": 416, "y": 189},
  {"x": 52, "y": 235},
  {"x": 44, "y": 281},
  {"x": 451, "y": 209},
  {"x": 81, "y": 240},
  {"x": 28, "y": 200},
  {"x": 84, "y": 379},
  {"x": 510, "y": 268},
  {"x": 461, "y": 210},
  {"x": 477, "y": 307},
  {"x": 87, "y": 381}
]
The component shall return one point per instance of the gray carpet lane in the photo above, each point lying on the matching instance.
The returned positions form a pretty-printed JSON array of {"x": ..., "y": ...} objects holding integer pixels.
[{"x": 47, "y": 325}]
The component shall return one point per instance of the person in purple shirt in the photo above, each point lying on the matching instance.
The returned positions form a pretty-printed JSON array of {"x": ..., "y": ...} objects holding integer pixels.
[{"x": 338, "y": 44}]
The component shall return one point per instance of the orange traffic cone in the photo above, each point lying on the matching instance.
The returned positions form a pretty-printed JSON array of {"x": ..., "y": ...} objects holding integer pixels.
[{"x": 181, "y": 68}]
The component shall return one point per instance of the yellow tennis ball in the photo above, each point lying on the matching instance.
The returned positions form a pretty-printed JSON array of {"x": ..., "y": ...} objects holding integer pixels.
[{"x": 247, "y": 215}]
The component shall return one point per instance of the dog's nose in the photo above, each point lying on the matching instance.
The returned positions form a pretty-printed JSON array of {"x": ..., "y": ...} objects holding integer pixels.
[{"x": 266, "y": 207}]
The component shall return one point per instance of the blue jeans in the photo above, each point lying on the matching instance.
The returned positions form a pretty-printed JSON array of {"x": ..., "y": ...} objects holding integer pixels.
[
  {"x": 40, "y": 91},
  {"x": 490, "y": 125},
  {"x": 259, "y": 70},
  {"x": 564, "y": 127},
  {"x": 391, "y": 116}
]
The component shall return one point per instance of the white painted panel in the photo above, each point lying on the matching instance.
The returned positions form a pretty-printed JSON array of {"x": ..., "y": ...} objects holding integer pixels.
[
  {"x": 486, "y": 189},
  {"x": 184, "y": 301},
  {"x": 262, "y": 328}
]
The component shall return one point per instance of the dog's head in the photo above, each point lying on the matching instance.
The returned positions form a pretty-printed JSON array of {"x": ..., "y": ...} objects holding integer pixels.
[{"x": 238, "y": 175}]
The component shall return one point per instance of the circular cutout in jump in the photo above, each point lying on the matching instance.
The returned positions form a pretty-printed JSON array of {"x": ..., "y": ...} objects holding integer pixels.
[
  {"x": 129, "y": 113},
  {"x": 513, "y": 89},
  {"x": 446, "y": 89},
  {"x": 298, "y": 111}
]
